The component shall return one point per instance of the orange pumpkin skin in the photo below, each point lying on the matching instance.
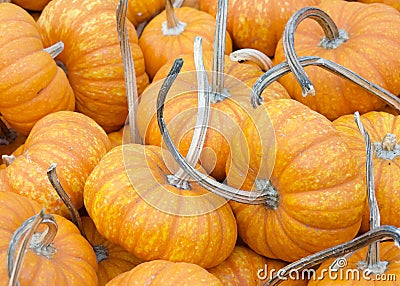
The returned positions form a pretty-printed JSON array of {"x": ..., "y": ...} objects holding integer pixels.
[
  {"x": 31, "y": 84},
  {"x": 161, "y": 272},
  {"x": 36, "y": 5},
  {"x": 181, "y": 108},
  {"x": 73, "y": 263},
  {"x": 142, "y": 11},
  {"x": 92, "y": 56},
  {"x": 70, "y": 139},
  {"x": 386, "y": 171},
  {"x": 158, "y": 48},
  {"x": 147, "y": 232},
  {"x": 116, "y": 137},
  {"x": 257, "y": 24},
  {"x": 393, "y": 3},
  {"x": 243, "y": 268},
  {"x": 321, "y": 198},
  {"x": 388, "y": 252},
  {"x": 118, "y": 259},
  {"x": 364, "y": 24}
]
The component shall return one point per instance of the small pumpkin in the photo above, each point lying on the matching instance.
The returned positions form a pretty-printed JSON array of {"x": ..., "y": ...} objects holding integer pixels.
[
  {"x": 72, "y": 140},
  {"x": 31, "y": 84},
  {"x": 92, "y": 57},
  {"x": 172, "y": 32},
  {"x": 384, "y": 129},
  {"x": 36, "y": 5},
  {"x": 310, "y": 182},
  {"x": 67, "y": 260},
  {"x": 161, "y": 272},
  {"x": 353, "y": 45}
]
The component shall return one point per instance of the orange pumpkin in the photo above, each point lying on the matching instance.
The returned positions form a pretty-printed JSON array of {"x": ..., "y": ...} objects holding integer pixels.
[
  {"x": 363, "y": 33},
  {"x": 166, "y": 223},
  {"x": 315, "y": 195},
  {"x": 70, "y": 139},
  {"x": 36, "y": 5},
  {"x": 386, "y": 160},
  {"x": 244, "y": 267},
  {"x": 69, "y": 260},
  {"x": 116, "y": 137},
  {"x": 92, "y": 57},
  {"x": 31, "y": 84},
  {"x": 160, "y": 272},
  {"x": 393, "y": 3},
  {"x": 257, "y": 24},
  {"x": 180, "y": 111},
  {"x": 171, "y": 34}
]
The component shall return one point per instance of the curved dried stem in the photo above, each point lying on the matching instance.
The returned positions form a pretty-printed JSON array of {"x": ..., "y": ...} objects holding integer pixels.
[
  {"x": 378, "y": 234},
  {"x": 218, "y": 90},
  {"x": 283, "y": 68},
  {"x": 181, "y": 178},
  {"x": 333, "y": 38},
  {"x": 55, "y": 182},
  {"x": 248, "y": 197},
  {"x": 42, "y": 245},
  {"x": 172, "y": 26},
  {"x": 8, "y": 159},
  {"x": 129, "y": 70},
  {"x": 55, "y": 49},
  {"x": 388, "y": 149},
  {"x": 7, "y": 135},
  {"x": 5, "y": 1},
  {"x": 372, "y": 262},
  {"x": 253, "y": 55}
]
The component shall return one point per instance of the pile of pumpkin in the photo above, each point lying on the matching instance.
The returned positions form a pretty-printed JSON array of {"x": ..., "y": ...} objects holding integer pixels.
[{"x": 100, "y": 100}]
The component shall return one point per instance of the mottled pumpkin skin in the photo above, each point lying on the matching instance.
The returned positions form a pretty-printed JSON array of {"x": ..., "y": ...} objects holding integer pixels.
[
  {"x": 161, "y": 272},
  {"x": 257, "y": 24},
  {"x": 141, "y": 11},
  {"x": 143, "y": 213},
  {"x": 321, "y": 198},
  {"x": 74, "y": 262},
  {"x": 118, "y": 260},
  {"x": 116, "y": 137},
  {"x": 372, "y": 29},
  {"x": 386, "y": 172},
  {"x": 388, "y": 252},
  {"x": 243, "y": 268},
  {"x": 393, "y": 3},
  {"x": 158, "y": 48},
  {"x": 180, "y": 110},
  {"x": 36, "y": 5},
  {"x": 31, "y": 84},
  {"x": 73, "y": 141},
  {"x": 92, "y": 56}
]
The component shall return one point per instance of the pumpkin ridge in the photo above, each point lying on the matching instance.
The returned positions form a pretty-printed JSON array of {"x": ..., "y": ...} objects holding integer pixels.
[{"x": 10, "y": 41}]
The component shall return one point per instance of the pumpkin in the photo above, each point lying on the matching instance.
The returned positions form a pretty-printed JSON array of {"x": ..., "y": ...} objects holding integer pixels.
[
  {"x": 386, "y": 160},
  {"x": 69, "y": 260},
  {"x": 353, "y": 46},
  {"x": 160, "y": 272},
  {"x": 244, "y": 267},
  {"x": 180, "y": 111},
  {"x": 168, "y": 223},
  {"x": 116, "y": 137},
  {"x": 257, "y": 24},
  {"x": 92, "y": 57},
  {"x": 143, "y": 11},
  {"x": 73, "y": 141},
  {"x": 393, "y": 3},
  {"x": 172, "y": 33},
  {"x": 314, "y": 189},
  {"x": 36, "y": 5},
  {"x": 31, "y": 84}
]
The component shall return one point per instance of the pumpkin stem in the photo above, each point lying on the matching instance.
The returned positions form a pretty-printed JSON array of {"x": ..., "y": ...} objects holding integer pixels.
[
  {"x": 178, "y": 3},
  {"x": 283, "y": 68},
  {"x": 388, "y": 149},
  {"x": 129, "y": 70},
  {"x": 5, "y": 1},
  {"x": 55, "y": 49},
  {"x": 253, "y": 55},
  {"x": 372, "y": 262},
  {"x": 219, "y": 92},
  {"x": 7, "y": 135},
  {"x": 172, "y": 26},
  {"x": 8, "y": 159},
  {"x": 55, "y": 182},
  {"x": 333, "y": 38},
  {"x": 377, "y": 234},
  {"x": 181, "y": 179},
  {"x": 40, "y": 243},
  {"x": 259, "y": 196}
]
